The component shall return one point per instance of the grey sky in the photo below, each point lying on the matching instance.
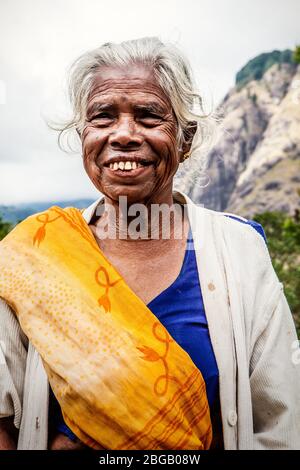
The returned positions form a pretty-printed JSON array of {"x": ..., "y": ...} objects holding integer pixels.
[{"x": 40, "y": 38}]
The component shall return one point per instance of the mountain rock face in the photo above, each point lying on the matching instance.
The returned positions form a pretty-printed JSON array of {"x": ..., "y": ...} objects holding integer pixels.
[{"x": 254, "y": 166}]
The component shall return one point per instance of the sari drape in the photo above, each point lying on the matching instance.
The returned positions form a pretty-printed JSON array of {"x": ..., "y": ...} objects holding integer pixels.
[{"x": 120, "y": 378}]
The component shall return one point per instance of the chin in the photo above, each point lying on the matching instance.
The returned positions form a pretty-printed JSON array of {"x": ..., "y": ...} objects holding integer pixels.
[{"x": 133, "y": 195}]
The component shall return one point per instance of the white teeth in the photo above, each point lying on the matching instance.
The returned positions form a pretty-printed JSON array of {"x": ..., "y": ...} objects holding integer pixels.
[{"x": 124, "y": 165}]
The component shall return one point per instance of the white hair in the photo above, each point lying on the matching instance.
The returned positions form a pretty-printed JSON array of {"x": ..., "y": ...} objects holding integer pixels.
[{"x": 171, "y": 70}]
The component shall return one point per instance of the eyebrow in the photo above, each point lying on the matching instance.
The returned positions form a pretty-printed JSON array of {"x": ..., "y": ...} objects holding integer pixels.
[
  {"x": 150, "y": 107},
  {"x": 96, "y": 107}
]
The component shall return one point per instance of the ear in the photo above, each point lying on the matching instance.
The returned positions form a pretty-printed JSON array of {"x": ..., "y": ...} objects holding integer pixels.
[{"x": 189, "y": 134}]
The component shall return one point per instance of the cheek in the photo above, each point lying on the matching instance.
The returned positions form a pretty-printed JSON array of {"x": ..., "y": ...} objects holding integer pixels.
[
  {"x": 165, "y": 144},
  {"x": 91, "y": 138},
  {"x": 92, "y": 143},
  {"x": 91, "y": 147}
]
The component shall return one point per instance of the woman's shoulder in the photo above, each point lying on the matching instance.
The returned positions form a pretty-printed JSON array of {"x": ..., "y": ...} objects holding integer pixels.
[
  {"x": 245, "y": 243},
  {"x": 250, "y": 222},
  {"x": 234, "y": 222},
  {"x": 236, "y": 226}
]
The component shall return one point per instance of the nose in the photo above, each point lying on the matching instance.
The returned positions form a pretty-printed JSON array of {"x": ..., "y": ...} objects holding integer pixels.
[{"x": 125, "y": 134}]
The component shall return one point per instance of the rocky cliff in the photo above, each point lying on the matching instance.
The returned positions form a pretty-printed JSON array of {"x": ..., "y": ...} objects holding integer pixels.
[{"x": 254, "y": 166}]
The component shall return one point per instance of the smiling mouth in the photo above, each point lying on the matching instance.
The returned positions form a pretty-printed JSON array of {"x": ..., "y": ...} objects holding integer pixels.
[{"x": 127, "y": 166}]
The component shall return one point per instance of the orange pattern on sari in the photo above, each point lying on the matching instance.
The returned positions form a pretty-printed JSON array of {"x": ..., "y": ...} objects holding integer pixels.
[{"x": 121, "y": 380}]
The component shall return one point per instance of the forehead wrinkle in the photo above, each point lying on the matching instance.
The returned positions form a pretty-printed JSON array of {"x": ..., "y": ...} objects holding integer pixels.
[
  {"x": 132, "y": 85},
  {"x": 123, "y": 82},
  {"x": 139, "y": 100}
]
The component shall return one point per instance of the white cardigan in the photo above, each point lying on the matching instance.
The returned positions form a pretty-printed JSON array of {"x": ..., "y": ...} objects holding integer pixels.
[{"x": 251, "y": 329}]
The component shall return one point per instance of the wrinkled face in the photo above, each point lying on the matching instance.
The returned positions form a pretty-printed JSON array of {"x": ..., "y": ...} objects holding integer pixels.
[{"x": 129, "y": 139}]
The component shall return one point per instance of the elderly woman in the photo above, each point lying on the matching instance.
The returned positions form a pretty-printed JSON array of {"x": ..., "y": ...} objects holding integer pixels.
[{"x": 154, "y": 332}]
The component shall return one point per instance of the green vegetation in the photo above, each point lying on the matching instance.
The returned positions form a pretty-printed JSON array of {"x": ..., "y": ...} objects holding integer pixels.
[
  {"x": 256, "y": 67},
  {"x": 5, "y": 227},
  {"x": 283, "y": 236},
  {"x": 296, "y": 54}
]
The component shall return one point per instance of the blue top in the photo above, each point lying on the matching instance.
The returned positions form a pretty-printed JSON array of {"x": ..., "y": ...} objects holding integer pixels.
[{"x": 180, "y": 309}]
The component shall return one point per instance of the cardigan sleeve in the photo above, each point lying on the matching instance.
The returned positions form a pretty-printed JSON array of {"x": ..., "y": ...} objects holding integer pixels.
[
  {"x": 275, "y": 382},
  {"x": 13, "y": 355}
]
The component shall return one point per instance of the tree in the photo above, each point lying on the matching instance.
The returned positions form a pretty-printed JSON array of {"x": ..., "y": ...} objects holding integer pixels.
[
  {"x": 296, "y": 54},
  {"x": 5, "y": 227}
]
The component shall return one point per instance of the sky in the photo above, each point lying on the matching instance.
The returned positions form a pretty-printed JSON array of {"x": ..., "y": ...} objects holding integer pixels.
[{"x": 39, "y": 39}]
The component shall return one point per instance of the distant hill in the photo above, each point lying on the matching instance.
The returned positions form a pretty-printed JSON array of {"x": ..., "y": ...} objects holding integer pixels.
[
  {"x": 255, "y": 68},
  {"x": 15, "y": 213}
]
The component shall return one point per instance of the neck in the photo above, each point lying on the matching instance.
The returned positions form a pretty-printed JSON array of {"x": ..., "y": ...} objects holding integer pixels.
[{"x": 140, "y": 225}]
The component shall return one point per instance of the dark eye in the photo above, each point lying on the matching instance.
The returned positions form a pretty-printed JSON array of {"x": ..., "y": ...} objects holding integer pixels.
[
  {"x": 102, "y": 119},
  {"x": 102, "y": 116}
]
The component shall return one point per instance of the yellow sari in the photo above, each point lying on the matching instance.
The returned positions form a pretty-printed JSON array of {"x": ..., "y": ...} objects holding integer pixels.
[{"x": 121, "y": 380}]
